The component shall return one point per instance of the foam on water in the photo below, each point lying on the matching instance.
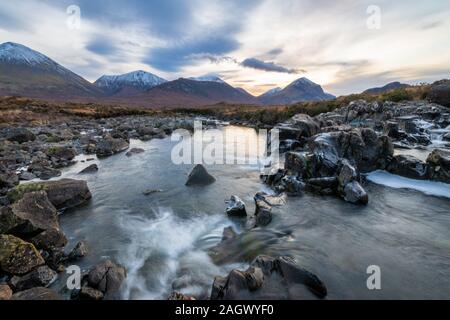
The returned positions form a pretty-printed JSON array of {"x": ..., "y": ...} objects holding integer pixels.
[
  {"x": 162, "y": 245},
  {"x": 394, "y": 181}
]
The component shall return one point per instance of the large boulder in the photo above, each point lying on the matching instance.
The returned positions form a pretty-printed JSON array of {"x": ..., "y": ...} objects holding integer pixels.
[
  {"x": 38, "y": 293},
  {"x": 109, "y": 146},
  {"x": 31, "y": 214},
  {"x": 199, "y": 176},
  {"x": 439, "y": 162},
  {"x": 298, "y": 127},
  {"x": 43, "y": 276},
  {"x": 268, "y": 278},
  {"x": 17, "y": 256},
  {"x": 63, "y": 194},
  {"x": 409, "y": 166},
  {"x": 19, "y": 135},
  {"x": 107, "y": 277},
  {"x": 361, "y": 147},
  {"x": 236, "y": 207},
  {"x": 440, "y": 93}
]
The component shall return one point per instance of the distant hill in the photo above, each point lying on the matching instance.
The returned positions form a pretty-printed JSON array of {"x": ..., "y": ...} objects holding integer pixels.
[
  {"x": 187, "y": 92},
  {"x": 389, "y": 87},
  {"x": 300, "y": 90},
  {"x": 128, "y": 84},
  {"x": 26, "y": 72}
]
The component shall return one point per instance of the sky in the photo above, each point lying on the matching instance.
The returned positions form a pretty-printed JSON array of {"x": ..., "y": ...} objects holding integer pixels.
[{"x": 346, "y": 46}]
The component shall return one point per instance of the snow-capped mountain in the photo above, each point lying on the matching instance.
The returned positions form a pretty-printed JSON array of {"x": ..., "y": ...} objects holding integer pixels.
[
  {"x": 208, "y": 77},
  {"x": 26, "y": 72},
  {"x": 125, "y": 83},
  {"x": 270, "y": 92},
  {"x": 299, "y": 90}
]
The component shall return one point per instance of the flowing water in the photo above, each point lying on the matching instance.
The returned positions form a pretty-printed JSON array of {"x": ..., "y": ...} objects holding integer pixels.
[{"x": 162, "y": 239}]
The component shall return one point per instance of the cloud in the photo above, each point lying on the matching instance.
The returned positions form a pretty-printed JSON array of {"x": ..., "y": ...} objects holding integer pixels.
[
  {"x": 102, "y": 46},
  {"x": 267, "y": 66},
  {"x": 173, "y": 58}
]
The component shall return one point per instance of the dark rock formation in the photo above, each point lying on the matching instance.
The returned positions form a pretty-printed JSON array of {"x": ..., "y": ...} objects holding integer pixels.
[
  {"x": 236, "y": 207},
  {"x": 90, "y": 169},
  {"x": 268, "y": 278},
  {"x": 199, "y": 176}
]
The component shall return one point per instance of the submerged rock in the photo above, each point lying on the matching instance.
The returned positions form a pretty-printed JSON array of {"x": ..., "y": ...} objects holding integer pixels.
[
  {"x": 236, "y": 207},
  {"x": 199, "y": 176},
  {"x": 90, "y": 169},
  {"x": 38, "y": 293},
  {"x": 79, "y": 251},
  {"x": 268, "y": 278},
  {"x": 134, "y": 151},
  {"x": 17, "y": 256}
]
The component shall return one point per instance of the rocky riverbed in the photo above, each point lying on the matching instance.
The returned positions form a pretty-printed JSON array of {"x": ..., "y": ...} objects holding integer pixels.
[{"x": 52, "y": 176}]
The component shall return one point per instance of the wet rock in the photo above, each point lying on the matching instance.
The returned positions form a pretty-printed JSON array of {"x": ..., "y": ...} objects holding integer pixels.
[
  {"x": 297, "y": 162},
  {"x": 43, "y": 276},
  {"x": 362, "y": 147},
  {"x": 291, "y": 185},
  {"x": 268, "y": 278},
  {"x": 439, "y": 162},
  {"x": 5, "y": 292},
  {"x": 354, "y": 193},
  {"x": 228, "y": 234},
  {"x": 63, "y": 194},
  {"x": 49, "y": 240},
  {"x": 446, "y": 137},
  {"x": 109, "y": 146},
  {"x": 17, "y": 256},
  {"x": 325, "y": 185},
  {"x": 151, "y": 191},
  {"x": 263, "y": 210},
  {"x": 38, "y": 293},
  {"x": 298, "y": 127},
  {"x": 347, "y": 174},
  {"x": 199, "y": 176},
  {"x": 19, "y": 135},
  {"x": 134, "y": 151},
  {"x": 88, "y": 293},
  {"x": 80, "y": 251},
  {"x": 90, "y": 169},
  {"x": 236, "y": 207},
  {"x": 409, "y": 166},
  {"x": 107, "y": 277},
  {"x": 179, "y": 297}
]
